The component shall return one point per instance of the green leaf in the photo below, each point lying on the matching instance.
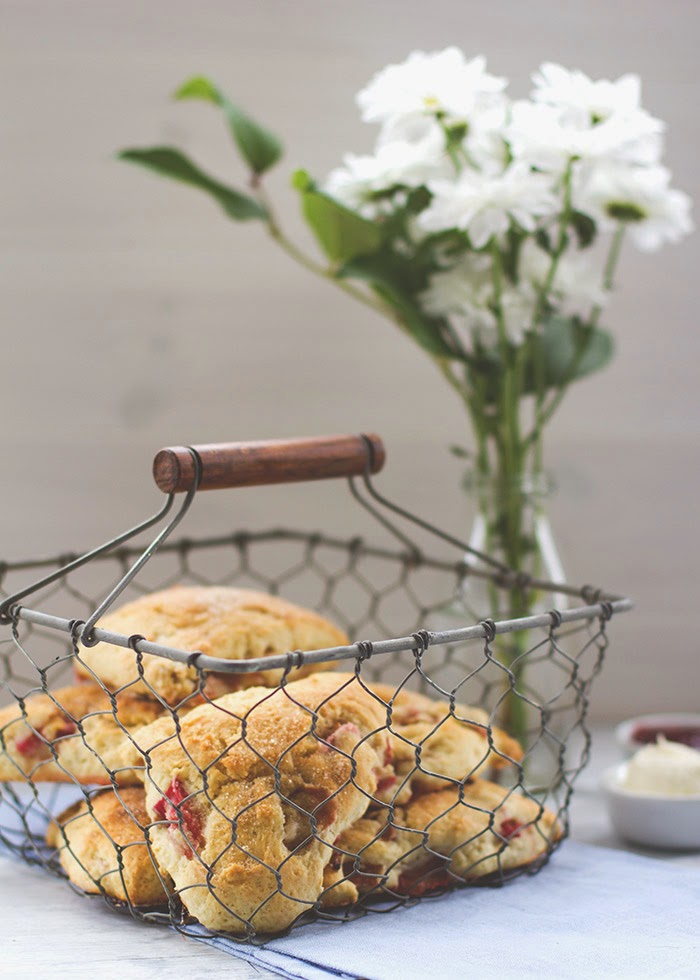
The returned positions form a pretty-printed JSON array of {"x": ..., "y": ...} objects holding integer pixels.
[
  {"x": 302, "y": 181},
  {"x": 169, "y": 162},
  {"x": 511, "y": 254},
  {"x": 199, "y": 87},
  {"x": 584, "y": 228},
  {"x": 383, "y": 273},
  {"x": 544, "y": 241},
  {"x": 569, "y": 350},
  {"x": 460, "y": 452},
  {"x": 341, "y": 233},
  {"x": 260, "y": 148}
]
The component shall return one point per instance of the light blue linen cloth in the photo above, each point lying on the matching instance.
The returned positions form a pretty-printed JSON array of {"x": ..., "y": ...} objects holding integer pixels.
[{"x": 592, "y": 912}]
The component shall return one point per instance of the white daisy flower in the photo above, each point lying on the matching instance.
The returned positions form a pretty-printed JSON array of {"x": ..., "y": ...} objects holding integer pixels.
[
  {"x": 395, "y": 164},
  {"x": 518, "y": 310},
  {"x": 426, "y": 84},
  {"x": 640, "y": 197},
  {"x": 576, "y": 286},
  {"x": 466, "y": 288},
  {"x": 543, "y": 136},
  {"x": 465, "y": 294},
  {"x": 485, "y": 143},
  {"x": 596, "y": 101},
  {"x": 486, "y": 206}
]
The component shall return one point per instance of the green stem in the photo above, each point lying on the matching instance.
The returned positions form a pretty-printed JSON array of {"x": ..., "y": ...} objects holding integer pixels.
[
  {"x": 559, "y": 248},
  {"x": 321, "y": 270},
  {"x": 543, "y": 294},
  {"x": 509, "y": 501},
  {"x": 609, "y": 270},
  {"x": 510, "y": 456},
  {"x": 545, "y": 412},
  {"x": 363, "y": 297}
]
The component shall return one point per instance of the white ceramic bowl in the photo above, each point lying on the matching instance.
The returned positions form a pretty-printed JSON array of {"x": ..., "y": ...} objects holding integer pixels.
[
  {"x": 624, "y": 732},
  {"x": 671, "y": 822}
]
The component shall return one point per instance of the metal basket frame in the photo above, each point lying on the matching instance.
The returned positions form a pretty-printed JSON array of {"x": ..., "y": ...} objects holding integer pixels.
[{"x": 598, "y": 607}]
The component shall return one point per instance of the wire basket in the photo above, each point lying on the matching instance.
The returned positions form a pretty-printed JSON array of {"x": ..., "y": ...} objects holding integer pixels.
[{"x": 277, "y": 789}]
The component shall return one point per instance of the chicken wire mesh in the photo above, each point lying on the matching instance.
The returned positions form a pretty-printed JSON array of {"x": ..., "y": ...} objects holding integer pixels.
[{"x": 363, "y": 776}]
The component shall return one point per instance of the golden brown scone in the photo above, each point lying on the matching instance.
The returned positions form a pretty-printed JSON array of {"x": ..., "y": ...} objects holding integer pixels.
[
  {"x": 73, "y": 734},
  {"x": 438, "y": 842},
  {"x": 234, "y": 624},
  {"x": 450, "y": 746},
  {"x": 238, "y": 842},
  {"x": 103, "y": 850}
]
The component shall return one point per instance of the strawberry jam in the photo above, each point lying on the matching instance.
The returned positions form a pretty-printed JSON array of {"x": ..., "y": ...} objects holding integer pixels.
[
  {"x": 510, "y": 828},
  {"x": 429, "y": 877},
  {"x": 30, "y": 744},
  {"x": 385, "y": 782},
  {"x": 685, "y": 734},
  {"x": 175, "y": 808},
  {"x": 347, "y": 729}
]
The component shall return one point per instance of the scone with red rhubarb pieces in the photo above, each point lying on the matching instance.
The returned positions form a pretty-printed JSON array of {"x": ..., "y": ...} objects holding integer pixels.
[
  {"x": 218, "y": 621},
  {"x": 438, "y": 841},
  {"x": 249, "y": 793},
  {"x": 102, "y": 847},
  {"x": 432, "y": 746},
  {"x": 72, "y": 734}
]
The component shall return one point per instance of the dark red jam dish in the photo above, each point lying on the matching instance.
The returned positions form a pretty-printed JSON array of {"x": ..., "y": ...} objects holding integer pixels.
[{"x": 644, "y": 734}]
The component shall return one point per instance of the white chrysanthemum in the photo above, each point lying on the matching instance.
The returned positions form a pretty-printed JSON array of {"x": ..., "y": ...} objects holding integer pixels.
[
  {"x": 640, "y": 197},
  {"x": 465, "y": 294},
  {"x": 518, "y": 310},
  {"x": 486, "y": 206},
  {"x": 394, "y": 164},
  {"x": 542, "y": 136},
  {"x": 467, "y": 287},
  {"x": 442, "y": 81},
  {"x": 485, "y": 145},
  {"x": 577, "y": 285},
  {"x": 596, "y": 101}
]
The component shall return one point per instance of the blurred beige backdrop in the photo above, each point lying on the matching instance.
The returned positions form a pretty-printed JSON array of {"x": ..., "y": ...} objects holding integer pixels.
[{"x": 136, "y": 315}]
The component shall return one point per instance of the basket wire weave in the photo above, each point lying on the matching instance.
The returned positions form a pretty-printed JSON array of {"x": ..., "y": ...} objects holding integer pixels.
[{"x": 417, "y": 605}]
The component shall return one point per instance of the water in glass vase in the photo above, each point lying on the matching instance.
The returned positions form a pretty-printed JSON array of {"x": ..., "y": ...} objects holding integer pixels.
[{"x": 511, "y": 527}]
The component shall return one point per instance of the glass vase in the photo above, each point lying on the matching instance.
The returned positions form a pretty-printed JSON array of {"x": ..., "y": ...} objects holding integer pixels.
[{"x": 512, "y": 527}]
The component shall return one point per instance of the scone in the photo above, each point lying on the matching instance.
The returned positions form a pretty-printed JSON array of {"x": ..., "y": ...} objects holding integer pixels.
[
  {"x": 437, "y": 842},
  {"x": 73, "y": 734},
  {"x": 234, "y": 624},
  {"x": 103, "y": 850},
  {"x": 431, "y": 747},
  {"x": 268, "y": 837},
  {"x": 249, "y": 796}
]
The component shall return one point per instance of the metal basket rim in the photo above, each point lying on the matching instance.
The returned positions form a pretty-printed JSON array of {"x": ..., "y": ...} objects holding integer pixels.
[{"x": 604, "y": 606}]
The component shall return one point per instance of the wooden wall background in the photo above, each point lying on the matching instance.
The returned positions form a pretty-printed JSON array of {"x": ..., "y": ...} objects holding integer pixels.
[{"x": 135, "y": 316}]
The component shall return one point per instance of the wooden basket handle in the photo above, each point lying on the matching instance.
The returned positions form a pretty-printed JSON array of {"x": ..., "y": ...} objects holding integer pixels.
[{"x": 253, "y": 464}]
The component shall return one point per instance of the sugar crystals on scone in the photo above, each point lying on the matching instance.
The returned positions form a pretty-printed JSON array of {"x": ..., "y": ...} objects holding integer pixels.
[
  {"x": 218, "y": 621},
  {"x": 102, "y": 847},
  {"x": 433, "y": 745},
  {"x": 72, "y": 734},
  {"x": 248, "y": 795},
  {"x": 437, "y": 841}
]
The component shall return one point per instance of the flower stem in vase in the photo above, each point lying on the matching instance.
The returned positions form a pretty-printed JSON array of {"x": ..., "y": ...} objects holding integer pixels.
[{"x": 511, "y": 527}]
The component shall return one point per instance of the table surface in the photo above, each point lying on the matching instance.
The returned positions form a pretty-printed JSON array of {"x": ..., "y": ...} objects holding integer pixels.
[{"x": 51, "y": 932}]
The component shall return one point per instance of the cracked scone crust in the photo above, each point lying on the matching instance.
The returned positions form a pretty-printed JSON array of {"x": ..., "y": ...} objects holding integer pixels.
[
  {"x": 234, "y": 624},
  {"x": 196, "y": 812},
  {"x": 102, "y": 847},
  {"x": 75, "y": 734},
  {"x": 431, "y": 747},
  {"x": 438, "y": 841},
  {"x": 241, "y": 844}
]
